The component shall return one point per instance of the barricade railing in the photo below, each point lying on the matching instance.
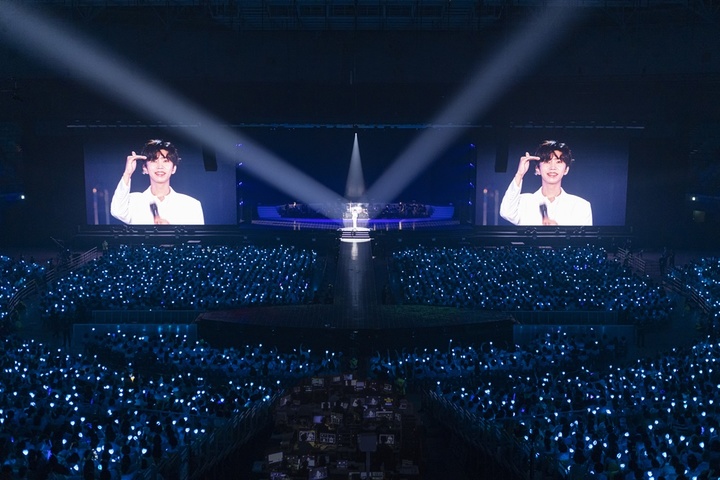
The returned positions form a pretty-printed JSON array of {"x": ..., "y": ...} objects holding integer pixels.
[
  {"x": 690, "y": 293},
  {"x": 632, "y": 260},
  {"x": 31, "y": 288},
  {"x": 194, "y": 461},
  {"x": 492, "y": 439}
]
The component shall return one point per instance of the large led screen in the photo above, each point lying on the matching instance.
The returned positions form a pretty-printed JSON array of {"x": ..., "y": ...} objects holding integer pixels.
[
  {"x": 471, "y": 173},
  {"x": 203, "y": 176},
  {"x": 595, "y": 183}
]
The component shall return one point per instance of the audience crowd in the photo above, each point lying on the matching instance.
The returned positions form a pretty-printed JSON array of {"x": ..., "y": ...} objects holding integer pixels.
[
  {"x": 463, "y": 363},
  {"x": 129, "y": 402},
  {"x": 508, "y": 279},
  {"x": 656, "y": 419},
  {"x": 185, "y": 278},
  {"x": 14, "y": 276}
]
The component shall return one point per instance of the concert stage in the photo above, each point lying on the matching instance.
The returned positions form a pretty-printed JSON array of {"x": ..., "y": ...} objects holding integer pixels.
[
  {"x": 316, "y": 233},
  {"x": 389, "y": 217},
  {"x": 395, "y": 223}
]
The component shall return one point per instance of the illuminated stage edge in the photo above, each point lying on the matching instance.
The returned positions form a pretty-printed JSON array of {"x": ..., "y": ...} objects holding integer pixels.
[{"x": 450, "y": 234}]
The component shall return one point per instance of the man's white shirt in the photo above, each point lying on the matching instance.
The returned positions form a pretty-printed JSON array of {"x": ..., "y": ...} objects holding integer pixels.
[
  {"x": 524, "y": 208},
  {"x": 134, "y": 208}
]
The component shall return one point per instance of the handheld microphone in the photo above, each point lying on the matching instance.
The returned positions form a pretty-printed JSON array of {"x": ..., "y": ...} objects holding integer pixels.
[
  {"x": 154, "y": 210},
  {"x": 543, "y": 211}
]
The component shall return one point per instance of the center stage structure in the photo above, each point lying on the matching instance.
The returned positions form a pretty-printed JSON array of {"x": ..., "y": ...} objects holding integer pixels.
[{"x": 384, "y": 217}]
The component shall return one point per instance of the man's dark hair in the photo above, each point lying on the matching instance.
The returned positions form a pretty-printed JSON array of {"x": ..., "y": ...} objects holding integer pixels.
[
  {"x": 152, "y": 148},
  {"x": 547, "y": 149}
]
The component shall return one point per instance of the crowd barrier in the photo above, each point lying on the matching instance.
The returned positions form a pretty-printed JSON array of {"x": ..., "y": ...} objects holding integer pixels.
[
  {"x": 491, "y": 439},
  {"x": 66, "y": 265}
]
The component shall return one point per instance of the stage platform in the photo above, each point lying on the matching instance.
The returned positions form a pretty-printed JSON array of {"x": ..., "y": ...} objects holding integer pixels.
[
  {"x": 355, "y": 215},
  {"x": 445, "y": 233}
]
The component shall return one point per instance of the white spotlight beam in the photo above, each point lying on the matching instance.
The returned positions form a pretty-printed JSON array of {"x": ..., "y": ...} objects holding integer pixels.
[
  {"x": 485, "y": 86},
  {"x": 355, "y": 184},
  {"x": 69, "y": 52}
]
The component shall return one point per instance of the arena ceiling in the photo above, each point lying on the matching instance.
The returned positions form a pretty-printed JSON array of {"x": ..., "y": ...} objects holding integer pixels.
[
  {"x": 629, "y": 59},
  {"x": 384, "y": 15}
]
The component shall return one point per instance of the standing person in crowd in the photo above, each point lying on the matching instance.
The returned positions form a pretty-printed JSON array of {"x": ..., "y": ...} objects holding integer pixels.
[
  {"x": 159, "y": 204},
  {"x": 549, "y": 205}
]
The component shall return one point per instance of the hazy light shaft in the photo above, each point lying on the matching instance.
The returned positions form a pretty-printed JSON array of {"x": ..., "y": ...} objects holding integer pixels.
[
  {"x": 102, "y": 71},
  {"x": 489, "y": 82}
]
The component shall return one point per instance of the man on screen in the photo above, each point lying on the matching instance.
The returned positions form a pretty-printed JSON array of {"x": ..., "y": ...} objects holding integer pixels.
[
  {"x": 550, "y": 205},
  {"x": 159, "y": 204}
]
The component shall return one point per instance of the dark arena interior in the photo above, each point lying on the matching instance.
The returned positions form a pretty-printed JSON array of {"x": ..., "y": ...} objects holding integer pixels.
[{"x": 423, "y": 239}]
